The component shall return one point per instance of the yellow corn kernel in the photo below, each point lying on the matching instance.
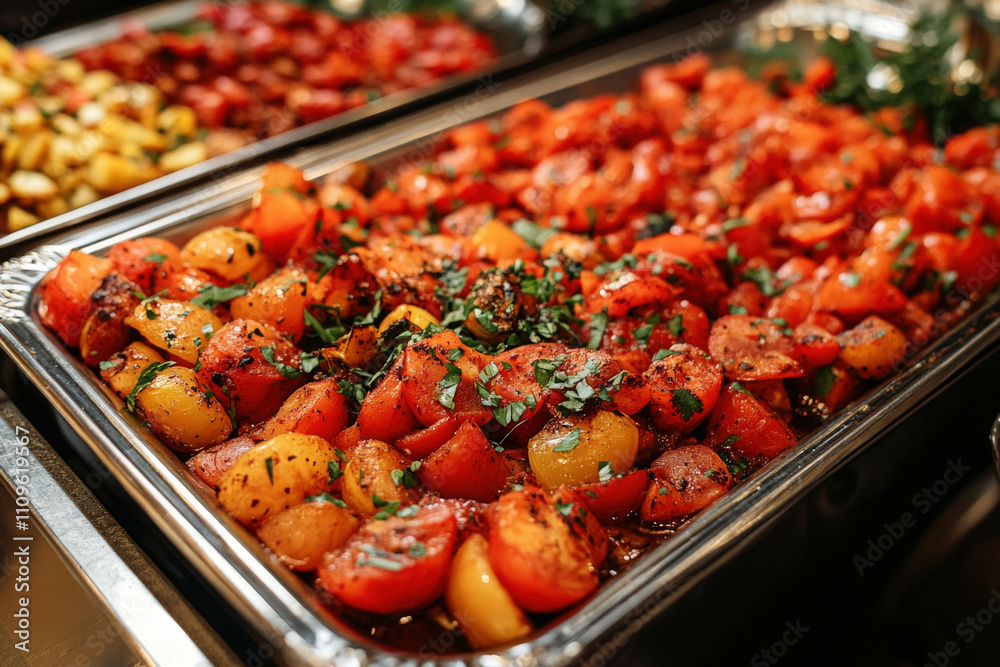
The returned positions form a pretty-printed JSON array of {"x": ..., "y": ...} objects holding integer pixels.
[
  {"x": 110, "y": 173},
  {"x": 178, "y": 120},
  {"x": 183, "y": 156},
  {"x": 11, "y": 91},
  {"x": 83, "y": 195},
  {"x": 52, "y": 208},
  {"x": 18, "y": 218},
  {"x": 32, "y": 185},
  {"x": 35, "y": 149}
]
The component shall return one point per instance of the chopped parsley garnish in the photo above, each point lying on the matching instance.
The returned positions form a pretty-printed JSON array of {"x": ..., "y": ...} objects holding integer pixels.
[
  {"x": 598, "y": 324},
  {"x": 676, "y": 325},
  {"x": 512, "y": 412},
  {"x": 374, "y": 314},
  {"x": 328, "y": 335},
  {"x": 380, "y": 562},
  {"x": 448, "y": 386},
  {"x": 388, "y": 509},
  {"x": 627, "y": 261},
  {"x": 533, "y": 234},
  {"x": 568, "y": 442},
  {"x": 740, "y": 388},
  {"x": 687, "y": 403},
  {"x": 642, "y": 334},
  {"x": 269, "y": 462},
  {"x": 326, "y": 498},
  {"x": 406, "y": 477},
  {"x": 735, "y": 223},
  {"x": 145, "y": 379},
  {"x": 210, "y": 296},
  {"x": 764, "y": 279},
  {"x": 544, "y": 368},
  {"x": 327, "y": 260},
  {"x": 733, "y": 256},
  {"x": 782, "y": 323},
  {"x": 849, "y": 279},
  {"x": 269, "y": 354},
  {"x": 353, "y": 392},
  {"x": 564, "y": 508},
  {"x": 334, "y": 471},
  {"x": 408, "y": 511},
  {"x": 825, "y": 377},
  {"x": 900, "y": 237},
  {"x": 309, "y": 362}
]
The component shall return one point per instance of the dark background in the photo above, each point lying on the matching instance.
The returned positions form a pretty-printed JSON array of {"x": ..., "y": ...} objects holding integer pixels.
[{"x": 21, "y": 19}]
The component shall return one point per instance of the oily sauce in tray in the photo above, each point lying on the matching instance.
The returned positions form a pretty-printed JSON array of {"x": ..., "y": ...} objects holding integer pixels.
[{"x": 464, "y": 394}]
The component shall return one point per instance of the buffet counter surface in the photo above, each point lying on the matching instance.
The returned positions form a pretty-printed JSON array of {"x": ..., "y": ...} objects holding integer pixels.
[{"x": 76, "y": 590}]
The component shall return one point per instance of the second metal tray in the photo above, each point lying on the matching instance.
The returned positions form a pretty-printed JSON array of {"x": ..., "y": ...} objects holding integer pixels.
[
  {"x": 279, "y": 605},
  {"x": 517, "y": 28}
]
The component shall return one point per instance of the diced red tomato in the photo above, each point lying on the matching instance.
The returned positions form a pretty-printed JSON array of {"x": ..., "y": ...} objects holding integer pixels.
[{"x": 378, "y": 570}]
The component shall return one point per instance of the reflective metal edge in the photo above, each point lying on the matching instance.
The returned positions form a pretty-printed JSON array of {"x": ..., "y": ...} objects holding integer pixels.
[
  {"x": 516, "y": 26},
  {"x": 66, "y": 514},
  {"x": 995, "y": 442},
  {"x": 269, "y": 596}
]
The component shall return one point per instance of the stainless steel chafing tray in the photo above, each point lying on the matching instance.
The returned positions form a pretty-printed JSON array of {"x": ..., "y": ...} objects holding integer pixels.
[
  {"x": 517, "y": 27},
  {"x": 277, "y": 604}
]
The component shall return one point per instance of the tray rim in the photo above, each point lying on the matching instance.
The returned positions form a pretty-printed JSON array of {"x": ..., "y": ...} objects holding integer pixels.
[{"x": 704, "y": 543}]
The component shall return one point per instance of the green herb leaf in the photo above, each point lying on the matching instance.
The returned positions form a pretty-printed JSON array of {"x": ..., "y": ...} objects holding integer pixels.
[
  {"x": 568, "y": 442},
  {"x": 448, "y": 386},
  {"x": 210, "y": 296},
  {"x": 643, "y": 333},
  {"x": 326, "y": 498},
  {"x": 406, "y": 476},
  {"x": 269, "y": 462},
  {"x": 687, "y": 404},
  {"x": 374, "y": 314},
  {"x": 901, "y": 236},
  {"x": 825, "y": 377},
  {"x": 740, "y": 388},
  {"x": 387, "y": 511},
  {"x": 598, "y": 325},
  {"x": 380, "y": 562},
  {"x": 676, "y": 325},
  {"x": 309, "y": 362},
  {"x": 735, "y": 223},
  {"x": 146, "y": 378},
  {"x": 849, "y": 279},
  {"x": 533, "y": 234},
  {"x": 269, "y": 354},
  {"x": 328, "y": 335},
  {"x": 334, "y": 471}
]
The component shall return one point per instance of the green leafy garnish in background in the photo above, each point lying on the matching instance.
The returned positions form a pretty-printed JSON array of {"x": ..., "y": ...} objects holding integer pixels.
[{"x": 924, "y": 75}]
